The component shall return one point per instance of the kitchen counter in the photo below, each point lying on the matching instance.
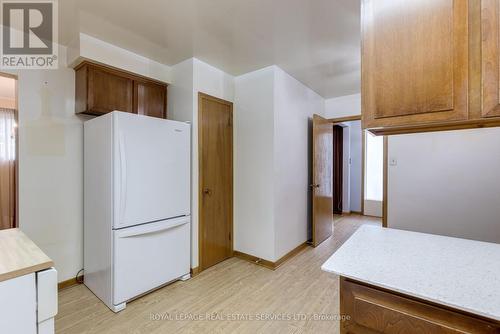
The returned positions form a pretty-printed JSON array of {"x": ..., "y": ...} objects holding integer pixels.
[
  {"x": 20, "y": 256},
  {"x": 460, "y": 274}
]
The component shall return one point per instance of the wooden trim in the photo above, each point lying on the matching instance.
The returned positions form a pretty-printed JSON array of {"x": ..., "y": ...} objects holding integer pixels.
[
  {"x": 16, "y": 162},
  {"x": 202, "y": 96},
  {"x": 119, "y": 72},
  {"x": 363, "y": 169},
  {"x": 254, "y": 260},
  {"x": 433, "y": 127},
  {"x": 194, "y": 271},
  {"x": 290, "y": 254},
  {"x": 386, "y": 173},
  {"x": 9, "y": 75},
  {"x": 69, "y": 283},
  {"x": 345, "y": 119},
  {"x": 269, "y": 264}
]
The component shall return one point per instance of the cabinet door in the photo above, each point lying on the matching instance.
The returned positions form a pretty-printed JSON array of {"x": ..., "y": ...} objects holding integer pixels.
[
  {"x": 490, "y": 31},
  {"x": 150, "y": 99},
  {"x": 414, "y": 61},
  {"x": 18, "y": 305},
  {"x": 375, "y": 311},
  {"x": 108, "y": 92}
]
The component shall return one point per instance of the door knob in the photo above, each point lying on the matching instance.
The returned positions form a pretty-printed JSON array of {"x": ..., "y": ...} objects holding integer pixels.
[{"x": 207, "y": 191}]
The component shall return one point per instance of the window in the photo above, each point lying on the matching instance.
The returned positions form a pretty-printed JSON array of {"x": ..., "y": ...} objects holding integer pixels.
[{"x": 374, "y": 172}]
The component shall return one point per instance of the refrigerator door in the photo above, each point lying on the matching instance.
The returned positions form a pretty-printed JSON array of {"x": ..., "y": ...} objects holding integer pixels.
[
  {"x": 148, "y": 256},
  {"x": 151, "y": 169}
]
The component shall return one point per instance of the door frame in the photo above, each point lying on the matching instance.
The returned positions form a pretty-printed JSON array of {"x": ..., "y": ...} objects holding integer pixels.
[
  {"x": 201, "y": 223},
  {"x": 338, "y": 121},
  {"x": 16, "y": 162}
]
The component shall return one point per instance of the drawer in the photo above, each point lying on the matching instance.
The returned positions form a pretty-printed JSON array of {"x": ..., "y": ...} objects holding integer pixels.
[
  {"x": 148, "y": 256},
  {"x": 46, "y": 291},
  {"x": 376, "y": 311}
]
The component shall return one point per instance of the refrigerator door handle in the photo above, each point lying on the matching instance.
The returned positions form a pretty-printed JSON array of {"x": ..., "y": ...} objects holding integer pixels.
[
  {"x": 153, "y": 229},
  {"x": 123, "y": 176}
]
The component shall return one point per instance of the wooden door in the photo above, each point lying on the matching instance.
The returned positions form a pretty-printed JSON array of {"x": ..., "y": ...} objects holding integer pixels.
[
  {"x": 338, "y": 168},
  {"x": 490, "y": 24},
  {"x": 109, "y": 92},
  {"x": 415, "y": 62},
  {"x": 215, "y": 131},
  {"x": 322, "y": 186},
  {"x": 150, "y": 99}
]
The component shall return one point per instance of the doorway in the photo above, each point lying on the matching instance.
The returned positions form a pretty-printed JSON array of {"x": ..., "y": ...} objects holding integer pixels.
[
  {"x": 375, "y": 178},
  {"x": 8, "y": 152},
  {"x": 215, "y": 154},
  {"x": 338, "y": 164}
]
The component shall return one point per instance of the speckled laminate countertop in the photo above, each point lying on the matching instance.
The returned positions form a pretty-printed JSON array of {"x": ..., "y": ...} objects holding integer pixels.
[{"x": 459, "y": 273}]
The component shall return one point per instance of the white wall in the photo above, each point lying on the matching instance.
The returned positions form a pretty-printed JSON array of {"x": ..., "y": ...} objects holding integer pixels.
[
  {"x": 346, "y": 170},
  {"x": 188, "y": 78},
  {"x": 356, "y": 168},
  {"x": 271, "y": 162},
  {"x": 88, "y": 47},
  {"x": 349, "y": 105},
  {"x": 446, "y": 183},
  {"x": 254, "y": 230},
  {"x": 51, "y": 166},
  {"x": 294, "y": 105}
]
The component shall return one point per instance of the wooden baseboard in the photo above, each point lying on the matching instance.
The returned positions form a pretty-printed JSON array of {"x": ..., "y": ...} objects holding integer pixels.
[
  {"x": 254, "y": 259},
  {"x": 68, "y": 283},
  {"x": 358, "y": 213},
  {"x": 269, "y": 264},
  {"x": 195, "y": 271},
  {"x": 291, "y": 254}
]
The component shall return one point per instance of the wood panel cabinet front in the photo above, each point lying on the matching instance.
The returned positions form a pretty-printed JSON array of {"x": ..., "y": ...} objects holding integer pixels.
[
  {"x": 414, "y": 61},
  {"x": 371, "y": 310},
  {"x": 100, "y": 89},
  {"x": 109, "y": 92},
  {"x": 150, "y": 99},
  {"x": 490, "y": 47}
]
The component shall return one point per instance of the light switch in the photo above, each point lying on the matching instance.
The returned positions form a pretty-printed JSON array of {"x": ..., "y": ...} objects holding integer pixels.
[{"x": 393, "y": 162}]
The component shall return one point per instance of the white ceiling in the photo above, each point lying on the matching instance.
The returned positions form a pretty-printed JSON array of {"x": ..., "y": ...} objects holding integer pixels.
[{"x": 316, "y": 41}]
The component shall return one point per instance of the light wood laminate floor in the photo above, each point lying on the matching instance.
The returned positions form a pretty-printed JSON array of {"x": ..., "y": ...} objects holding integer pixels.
[{"x": 234, "y": 288}]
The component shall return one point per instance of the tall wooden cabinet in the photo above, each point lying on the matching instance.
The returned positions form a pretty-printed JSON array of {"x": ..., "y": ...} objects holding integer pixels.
[
  {"x": 101, "y": 89},
  {"x": 430, "y": 65}
]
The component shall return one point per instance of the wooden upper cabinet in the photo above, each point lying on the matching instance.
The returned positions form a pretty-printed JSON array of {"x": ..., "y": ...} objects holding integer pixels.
[
  {"x": 490, "y": 31},
  {"x": 108, "y": 92},
  {"x": 101, "y": 89},
  {"x": 150, "y": 99},
  {"x": 414, "y": 61}
]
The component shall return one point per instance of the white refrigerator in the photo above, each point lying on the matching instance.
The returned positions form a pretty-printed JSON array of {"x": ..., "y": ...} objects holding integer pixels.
[{"x": 136, "y": 205}]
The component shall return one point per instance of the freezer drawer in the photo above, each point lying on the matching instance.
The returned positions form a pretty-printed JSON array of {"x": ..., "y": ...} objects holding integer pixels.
[{"x": 148, "y": 256}]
